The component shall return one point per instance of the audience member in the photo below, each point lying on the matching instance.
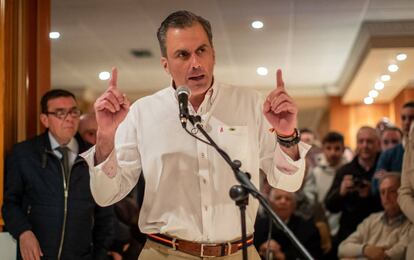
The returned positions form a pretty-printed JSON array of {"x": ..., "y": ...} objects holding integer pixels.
[
  {"x": 48, "y": 206},
  {"x": 350, "y": 192},
  {"x": 382, "y": 235},
  {"x": 322, "y": 176},
  {"x": 88, "y": 127},
  {"x": 391, "y": 159},
  {"x": 390, "y": 137},
  {"x": 284, "y": 203}
]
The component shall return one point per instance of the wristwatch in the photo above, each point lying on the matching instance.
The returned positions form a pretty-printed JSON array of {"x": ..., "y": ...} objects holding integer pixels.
[{"x": 289, "y": 141}]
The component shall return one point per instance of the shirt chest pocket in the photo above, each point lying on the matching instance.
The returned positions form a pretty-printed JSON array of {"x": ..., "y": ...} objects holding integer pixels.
[{"x": 234, "y": 140}]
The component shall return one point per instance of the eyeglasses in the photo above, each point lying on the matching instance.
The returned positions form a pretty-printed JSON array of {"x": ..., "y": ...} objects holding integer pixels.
[{"x": 63, "y": 113}]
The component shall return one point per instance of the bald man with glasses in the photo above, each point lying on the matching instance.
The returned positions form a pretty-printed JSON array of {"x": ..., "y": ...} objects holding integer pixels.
[{"x": 48, "y": 206}]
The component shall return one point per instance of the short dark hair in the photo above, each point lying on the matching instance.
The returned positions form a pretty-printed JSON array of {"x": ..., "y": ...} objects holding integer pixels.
[
  {"x": 181, "y": 19},
  {"x": 52, "y": 94},
  {"x": 333, "y": 137},
  {"x": 392, "y": 128},
  {"x": 409, "y": 104}
]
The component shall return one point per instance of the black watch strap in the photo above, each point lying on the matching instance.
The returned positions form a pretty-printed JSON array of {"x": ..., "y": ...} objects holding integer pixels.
[{"x": 290, "y": 140}]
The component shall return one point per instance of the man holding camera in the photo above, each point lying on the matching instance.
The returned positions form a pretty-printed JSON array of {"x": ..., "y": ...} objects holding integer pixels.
[{"x": 350, "y": 192}]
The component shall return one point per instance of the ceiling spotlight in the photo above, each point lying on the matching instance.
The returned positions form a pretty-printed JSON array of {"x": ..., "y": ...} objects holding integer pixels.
[
  {"x": 262, "y": 71},
  {"x": 379, "y": 85},
  {"x": 54, "y": 35},
  {"x": 401, "y": 57},
  {"x": 368, "y": 100},
  {"x": 373, "y": 93},
  {"x": 257, "y": 24},
  {"x": 385, "y": 77},
  {"x": 104, "y": 75},
  {"x": 393, "y": 68}
]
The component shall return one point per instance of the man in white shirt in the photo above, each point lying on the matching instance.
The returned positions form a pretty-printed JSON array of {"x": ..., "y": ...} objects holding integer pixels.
[{"x": 187, "y": 211}]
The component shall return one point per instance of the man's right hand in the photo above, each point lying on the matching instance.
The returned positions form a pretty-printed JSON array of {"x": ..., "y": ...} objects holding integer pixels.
[
  {"x": 111, "y": 109},
  {"x": 375, "y": 252},
  {"x": 274, "y": 248},
  {"x": 29, "y": 246},
  {"x": 347, "y": 185}
]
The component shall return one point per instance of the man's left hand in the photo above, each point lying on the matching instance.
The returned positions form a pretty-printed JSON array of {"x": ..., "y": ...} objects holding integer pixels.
[{"x": 280, "y": 110}]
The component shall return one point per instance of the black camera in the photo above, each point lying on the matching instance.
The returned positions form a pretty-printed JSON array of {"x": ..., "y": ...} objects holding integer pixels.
[{"x": 359, "y": 181}]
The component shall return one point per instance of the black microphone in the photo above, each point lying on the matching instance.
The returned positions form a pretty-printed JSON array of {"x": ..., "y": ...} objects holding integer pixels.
[{"x": 183, "y": 93}]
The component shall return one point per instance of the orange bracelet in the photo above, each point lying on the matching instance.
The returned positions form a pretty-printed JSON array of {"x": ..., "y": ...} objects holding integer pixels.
[{"x": 272, "y": 130}]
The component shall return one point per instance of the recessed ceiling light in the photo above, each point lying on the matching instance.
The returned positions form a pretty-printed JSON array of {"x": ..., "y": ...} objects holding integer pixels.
[
  {"x": 368, "y": 100},
  {"x": 401, "y": 56},
  {"x": 385, "y": 77},
  {"x": 393, "y": 68},
  {"x": 257, "y": 24},
  {"x": 262, "y": 71},
  {"x": 379, "y": 85},
  {"x": 104, "y": 75},
  {"x": 54, "y": 35},
  {"x": 373, "y": 93}
]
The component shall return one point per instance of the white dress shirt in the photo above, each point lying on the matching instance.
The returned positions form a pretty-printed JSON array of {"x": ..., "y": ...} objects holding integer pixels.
[{"x": 187, "y": 183}]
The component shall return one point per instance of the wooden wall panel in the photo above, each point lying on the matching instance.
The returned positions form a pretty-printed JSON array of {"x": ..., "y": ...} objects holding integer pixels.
[
  {"x": 24, "y": 71},
  {"x": 340, "y": 118},
  {"x": 2, "y": 88}
]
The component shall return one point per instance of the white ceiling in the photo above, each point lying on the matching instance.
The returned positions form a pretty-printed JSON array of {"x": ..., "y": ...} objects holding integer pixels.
[
  {"x": 372, "y": 68},
  {"x": 311, "y": 40}
]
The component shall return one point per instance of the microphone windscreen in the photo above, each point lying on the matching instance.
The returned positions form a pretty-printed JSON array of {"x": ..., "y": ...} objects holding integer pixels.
[{"x": 183, "y": 90}]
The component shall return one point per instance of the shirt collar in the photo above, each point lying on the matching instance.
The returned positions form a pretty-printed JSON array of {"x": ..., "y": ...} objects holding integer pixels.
[
  {"x": 209, "y": 97},
  {"x": 72, "y": 145},
  {"x": 396, "y": 221}
]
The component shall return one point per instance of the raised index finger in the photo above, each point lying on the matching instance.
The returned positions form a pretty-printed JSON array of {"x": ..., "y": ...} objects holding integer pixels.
[
  {"x": 279, "y": 79},
  {"x": 114, "y": 78}
]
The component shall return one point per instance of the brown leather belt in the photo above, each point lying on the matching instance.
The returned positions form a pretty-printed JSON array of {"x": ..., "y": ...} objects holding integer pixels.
[{"x": 199, "y": 249}]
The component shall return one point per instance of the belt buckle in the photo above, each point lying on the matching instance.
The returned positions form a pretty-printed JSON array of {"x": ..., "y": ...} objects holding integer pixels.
[{"x": 202, "y": 250}]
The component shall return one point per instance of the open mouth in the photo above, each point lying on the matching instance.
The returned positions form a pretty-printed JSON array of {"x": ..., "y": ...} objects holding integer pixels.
[{"x": 197, "y": 78}]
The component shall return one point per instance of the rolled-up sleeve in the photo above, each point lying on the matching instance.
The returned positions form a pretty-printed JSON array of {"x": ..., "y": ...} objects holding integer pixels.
[
  {"x": 288, "y": 174},
  {"x": 113, "y": 179}
]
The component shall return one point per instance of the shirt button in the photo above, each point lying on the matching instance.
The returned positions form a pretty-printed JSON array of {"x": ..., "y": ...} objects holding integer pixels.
[
  {"x": 205, "y": 208},
  {"x": 204, "y": 181},
  {"x": 203, "y": 155}
]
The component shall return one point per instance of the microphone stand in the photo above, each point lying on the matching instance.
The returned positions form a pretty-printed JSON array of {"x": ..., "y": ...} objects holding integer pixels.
[{"x": 240, "y": 193}]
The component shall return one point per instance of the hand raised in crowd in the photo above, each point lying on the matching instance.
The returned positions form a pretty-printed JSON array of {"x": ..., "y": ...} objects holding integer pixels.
[
  {"x": 111, "y": 109},
  {"x": 279, "y": 108},
  {"x": 347, "y": 185},
  {"x": 29, "y": 246}
]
